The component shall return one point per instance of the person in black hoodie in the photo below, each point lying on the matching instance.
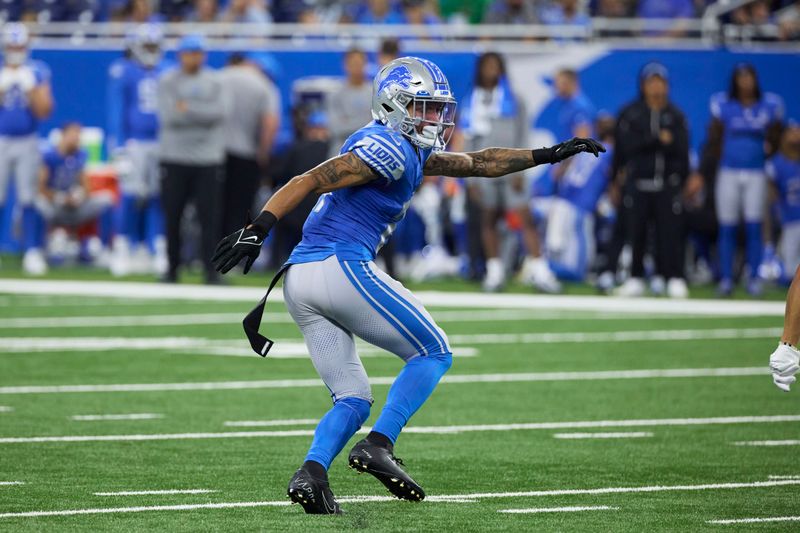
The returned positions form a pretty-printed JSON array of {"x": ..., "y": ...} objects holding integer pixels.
[{"x": 651, "y": 163}]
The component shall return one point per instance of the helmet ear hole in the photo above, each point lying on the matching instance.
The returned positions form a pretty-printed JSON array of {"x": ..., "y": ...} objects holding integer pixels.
[{"x": 386, "y": 108}]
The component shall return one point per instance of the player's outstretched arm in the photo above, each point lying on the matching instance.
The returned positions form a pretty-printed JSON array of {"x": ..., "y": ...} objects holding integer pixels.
[
  {"x": 785, "y": 360},
  {"x": 347, "y": 170},
  {"x": 496, "y": 162}
]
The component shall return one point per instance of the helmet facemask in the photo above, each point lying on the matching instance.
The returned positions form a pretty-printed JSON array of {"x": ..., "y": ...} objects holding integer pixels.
[{"x": 430, "y": 121}]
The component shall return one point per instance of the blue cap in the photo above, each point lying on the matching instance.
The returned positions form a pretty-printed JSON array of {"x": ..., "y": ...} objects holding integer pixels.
[
  {"x": 654, "y": 69},
  {"x": 317, "y": 119},
  {"x": 192, "y": 43}
]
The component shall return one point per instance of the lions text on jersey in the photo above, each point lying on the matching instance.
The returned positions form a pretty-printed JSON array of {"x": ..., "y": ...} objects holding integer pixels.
[{"x": 353, "y": 223}]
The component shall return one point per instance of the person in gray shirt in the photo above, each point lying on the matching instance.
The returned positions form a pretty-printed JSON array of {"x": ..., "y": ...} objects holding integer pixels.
[
  {"x": 349, "y": 107},
  {"x": 191, "y": 112},
  {"x": 250, "y": 129}
]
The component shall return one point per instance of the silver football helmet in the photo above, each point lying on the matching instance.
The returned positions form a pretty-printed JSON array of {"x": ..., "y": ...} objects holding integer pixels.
[
  {"x": 413, "y": 96},
  {"x": 145, "y": 44},
  {"x": 15, "y": 43}
]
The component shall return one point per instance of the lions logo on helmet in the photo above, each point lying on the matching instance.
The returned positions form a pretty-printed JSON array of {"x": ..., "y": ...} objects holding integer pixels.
[
  {"x": 412, "y": 96},
  {"x": 144, "y": 43},
  {"x": 15, "y": 43}
]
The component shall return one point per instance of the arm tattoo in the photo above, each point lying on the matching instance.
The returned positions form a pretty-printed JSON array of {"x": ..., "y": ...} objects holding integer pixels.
[
  {"x": 488, "y": 163},
  {"x": 343, "y": 171}
]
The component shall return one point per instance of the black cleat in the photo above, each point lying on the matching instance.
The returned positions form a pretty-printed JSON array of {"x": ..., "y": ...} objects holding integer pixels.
[
  {"x": 381, "y": 463},
  {"x": 313, "y": 494}
]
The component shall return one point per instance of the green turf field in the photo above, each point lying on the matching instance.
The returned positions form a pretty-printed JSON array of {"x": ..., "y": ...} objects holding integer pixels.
[{"x": 507, "y": 431}]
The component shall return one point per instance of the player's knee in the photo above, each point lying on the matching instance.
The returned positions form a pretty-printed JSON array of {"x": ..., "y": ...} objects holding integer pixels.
[
  {"x": 445, "y": 359},
  {"x": 360, "y": 406}
]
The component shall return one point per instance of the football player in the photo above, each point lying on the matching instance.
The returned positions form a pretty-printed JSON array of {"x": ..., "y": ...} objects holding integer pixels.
[
  {"x": 132, "y": 143},
  {"x": 25, "y": 99},
  {"x": 333, "y": 289}
]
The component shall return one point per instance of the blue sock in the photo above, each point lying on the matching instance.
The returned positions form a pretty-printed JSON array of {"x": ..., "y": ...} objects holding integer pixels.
[
  {"x": 127, "y": 218},
  {"x": 105, "y": 226},
  {"x": 726, "y": 245},
  {"x": 755, "y": 246},
  {"x": 32, "y": 228},
  {"x": 336, "y": 428},
  {"x": 153, "y": 222},
  {"x": 413, "y": 386}
]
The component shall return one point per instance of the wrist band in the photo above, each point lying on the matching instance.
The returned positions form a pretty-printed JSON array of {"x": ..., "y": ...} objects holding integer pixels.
[
  {"x": 264, "y": 222},
  {"x": 543, "y": 155}
]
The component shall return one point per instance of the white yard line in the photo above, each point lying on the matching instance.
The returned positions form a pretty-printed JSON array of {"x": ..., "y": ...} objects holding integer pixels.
[
  {"x": 388, "y": 380},
  {"x": 154, "y": 492},
  {"x": 132, "y": 416},
  {"x": 3, "y": 483},
  {"x": 428, "y": 430},
  {"x": 756, "y": 520},
  {"x": 431, "y": 298},
  {"x": 768, "y": 443},
  {"x": 785, "y": 477},
  {"x": 536, "y": 510},
  {"x": 5, "y": 409},
  {"x": 434, "y": 498},
  {"x": 271, "y": 423},
  {"x": 624, "y": 435}
]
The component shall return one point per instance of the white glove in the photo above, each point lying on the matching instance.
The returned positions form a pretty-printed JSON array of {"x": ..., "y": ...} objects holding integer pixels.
[
  {"x": 784, "y": 364},
  {"x": 7, "y": 77},
  {"x": 26, "y": 79}
]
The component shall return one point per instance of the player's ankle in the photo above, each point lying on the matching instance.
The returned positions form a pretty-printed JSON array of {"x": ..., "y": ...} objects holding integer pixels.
[
  {"x": 315, "y": 469},
  {"x": 379, "y": 439}
]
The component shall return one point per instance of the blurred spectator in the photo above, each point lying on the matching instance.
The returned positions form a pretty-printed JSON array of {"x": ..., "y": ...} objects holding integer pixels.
[
  {"x": 252, "y": 11},
  {"x": 667, "y": 9},
  {"x": 744, "y": 131},
  {"x": 566, "y": 13},
  {"x": 25, "y": 100},
  {"x": 492, "y": 115},
  {"x": 783, "y": 171},
  {"x": 132, "y": 133},
  {"x": 309, "y": 150},
  {"x": 250, "y": 128},
  {"x": 64, "y": 10},
  {"x": 203, "y": 11},
  {"x": 174, "y": 10},
  {"x": 570, "y": 237},
  {"x": 511, "y": 12},
  {"x": 64, "y": 197},
  {"x": 388, "y": 51},
  {"x": 379, "y": 12},
  {"x": 349, "y": 106},
  {"x": 417, "y": 12},
  {"x": 652, "y": 154},
  {"x": 137, "y": 11},
  {"x": 789, "y": 22},
  {"x": 613, "y": 8},
  {"x": 191, "y": 110}
]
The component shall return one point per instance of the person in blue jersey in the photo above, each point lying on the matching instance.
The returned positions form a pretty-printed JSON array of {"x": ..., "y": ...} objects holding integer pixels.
[
  {"x": 139, "y": 244},
  {"x": 64, "y": 198},
  {"x": 333, "y": 289},
  {"x": 744, "y": 131},
  {"x": 25, "y": 100},
  {"x": 783, "y": 171},
  {"x": 570, "y": 235}
]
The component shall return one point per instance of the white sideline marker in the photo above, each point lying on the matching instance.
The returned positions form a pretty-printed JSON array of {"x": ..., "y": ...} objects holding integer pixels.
[
  {"x": 388, "y": 380},
  {"x": 132, "y": 416},
  {"x": 5, "y": 409},
  {"x": 435, "y": 498},
  {"x": 427, "y": 430},
  {"x": 756, "y": 520},
  {"x": 624, "y": 435},
  {"x": 536, "y": 510},
  {"x": 154, "y": 492},
  {"x": 785, "y": 477},
  {"x": 3, "y": 483},
  {"x": 270, "y": 423},
  {"x": 767, "y": 443}
]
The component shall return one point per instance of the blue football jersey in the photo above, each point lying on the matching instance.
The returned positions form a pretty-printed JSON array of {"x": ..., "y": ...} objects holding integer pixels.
[
  {"x": 132, "y": 102},
  {"x": 745, "y": 128},
  {"x": 586, "y": 179},
  {"x": 16, "y": 117},
  {"x": 785, "y": 174},
  {"x": 64, "y": 170},
  {"x": 355, "y": 222}
]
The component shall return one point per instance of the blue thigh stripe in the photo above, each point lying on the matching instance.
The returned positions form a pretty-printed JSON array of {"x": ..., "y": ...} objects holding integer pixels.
[
  {"x": 431, "y": 328},
  {"x": 378, "y": 302}
]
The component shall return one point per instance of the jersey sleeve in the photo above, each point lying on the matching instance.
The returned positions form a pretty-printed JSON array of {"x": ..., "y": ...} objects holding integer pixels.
[
  {"x": 41, "y": 72},
  {"x": 777, "y": 107},
  {"x": 769, "y": 170},
  {"x": 383, "y": 155},
  {"x": 715, "y": 105}
]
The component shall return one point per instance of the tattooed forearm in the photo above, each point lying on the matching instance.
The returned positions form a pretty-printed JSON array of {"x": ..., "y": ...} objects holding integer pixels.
[
  {"x": 489, "y": 163},
  {"x": 337, "y": 173}
]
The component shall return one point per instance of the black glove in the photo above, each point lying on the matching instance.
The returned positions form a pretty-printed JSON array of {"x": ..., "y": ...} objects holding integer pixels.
[
  {"x": 245, "y": 243},
  {"x": 565, "y": 150}
]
